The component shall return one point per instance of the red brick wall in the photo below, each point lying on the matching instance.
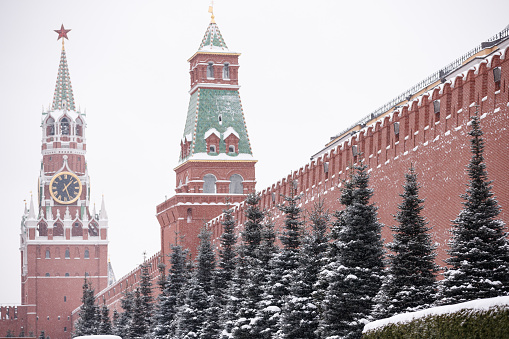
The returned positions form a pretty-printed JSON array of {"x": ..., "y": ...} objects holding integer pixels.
[{"x": 437, "y": 144}]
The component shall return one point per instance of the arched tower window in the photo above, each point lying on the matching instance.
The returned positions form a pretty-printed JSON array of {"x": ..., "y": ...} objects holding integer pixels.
[
  {"x": 58, "y": 229},
  {"x": 64, "y": 126},
  {"x": 210, "y": 70},
  {"x": 67, "y": 254},
  {"x": 50, "y": 126},
  {"x": 236, "y": 186},
  {"x": 189, "y": 215},
  {"x": 87, "y": 254},
  {"x": 93, "y": 229},
  {"x": 77, "y": 229},
  {"x": 43, "y": 229},
  {"x": 226, "y": 71},
  {"x": 209, "y": 183},
  {"x": 48, "y": 254},
  {"x": 79, "y": 128}
]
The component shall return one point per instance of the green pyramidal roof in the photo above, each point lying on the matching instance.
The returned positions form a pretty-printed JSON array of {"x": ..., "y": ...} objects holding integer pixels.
[
  {"x": 213, "y": 40},
  {"x": 219, "y": 112},
  {"x": 63, "y": 96}
]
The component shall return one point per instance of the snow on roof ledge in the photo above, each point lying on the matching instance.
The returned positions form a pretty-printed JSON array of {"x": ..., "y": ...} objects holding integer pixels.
[
  {"x": 229, "y": 131},
  {"x": 210, "y": 132},
  {"x": 479, "y": 304}
]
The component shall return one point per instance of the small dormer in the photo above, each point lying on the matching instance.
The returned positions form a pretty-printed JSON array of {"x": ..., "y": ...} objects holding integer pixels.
[
  {"x": 231, "y": 140},
  {"x": 212, "y": 138}
]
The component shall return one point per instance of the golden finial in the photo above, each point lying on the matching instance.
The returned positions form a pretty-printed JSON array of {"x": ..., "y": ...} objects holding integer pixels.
[{"x": 211, "y": 11}]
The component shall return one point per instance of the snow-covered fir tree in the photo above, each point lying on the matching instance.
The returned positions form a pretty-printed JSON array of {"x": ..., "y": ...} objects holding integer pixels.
[
  {"x": 123, "y": 324},
  {"x": 147, "y": 301},
  {"x": 410, "y": 283},
  {"x": 357, "y": 276},
  {"x": 283, "y": 268},
  {"x": 247, "y": 285},
  {"x": 87, "y": 323},
  {"x": 105, "y": 324},
  {"x": 137, "y": 328},
  {"x": 192, "y": 313},
  {"x": 479, "y": 250},
  {"x": 299, "y": 317},
  {"x": 223, "y": 276},
  {"x": 170, "y": 298}
]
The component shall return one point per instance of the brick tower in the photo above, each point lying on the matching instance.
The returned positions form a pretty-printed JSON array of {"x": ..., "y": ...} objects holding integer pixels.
[
  {"x": 64, "y": 241},
  {"x": 216, "y": 165}
]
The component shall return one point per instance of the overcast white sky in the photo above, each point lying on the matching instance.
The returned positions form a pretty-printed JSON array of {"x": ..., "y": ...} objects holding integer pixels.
[{"x": 308, "y": 70}]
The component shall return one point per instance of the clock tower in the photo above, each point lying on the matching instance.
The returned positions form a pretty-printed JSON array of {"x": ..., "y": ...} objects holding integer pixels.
[
  {"x": 63, "y": 241},
  {"x": 216, "y": 167}
]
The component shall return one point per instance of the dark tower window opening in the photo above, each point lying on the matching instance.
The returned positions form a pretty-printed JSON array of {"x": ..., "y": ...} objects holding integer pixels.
[
  {"x": 236, "y": 186},
  {"x": 209, "y": 183},
  {"x": 48, "y": 254},
  {"x": 67, "y": 254},
  {"x": 189, "y": 215},
  {"x": 64, "y": 126},
  {"x": 79, "y": 128},
  {"x": 231, "y": 149},
  {"x": 226, "y": 71},
  {"x": 212, "y": 149},
  {"x": 210, "y": 70},
  {"x": 50, "y": 129},
  {"x": 58, "y": 229},
  {"x": 87, "y": 254}
]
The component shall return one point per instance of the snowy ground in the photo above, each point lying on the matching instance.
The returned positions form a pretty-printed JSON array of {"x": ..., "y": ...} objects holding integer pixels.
[{"x": 480, "y": 304}]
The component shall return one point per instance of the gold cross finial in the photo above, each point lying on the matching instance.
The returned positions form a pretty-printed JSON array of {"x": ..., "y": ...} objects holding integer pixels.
[{"x": 211, "y": 11}]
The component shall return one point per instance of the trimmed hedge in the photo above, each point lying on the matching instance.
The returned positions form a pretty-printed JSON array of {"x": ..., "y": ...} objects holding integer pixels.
[{"x": 467, "y": 323}]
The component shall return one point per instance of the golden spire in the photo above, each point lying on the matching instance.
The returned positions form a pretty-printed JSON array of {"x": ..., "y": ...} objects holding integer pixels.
[{"x": 211, "y": 11}]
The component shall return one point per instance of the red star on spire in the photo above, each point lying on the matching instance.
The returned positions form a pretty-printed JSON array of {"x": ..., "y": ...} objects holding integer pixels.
[{"x": 62, "y": 32}]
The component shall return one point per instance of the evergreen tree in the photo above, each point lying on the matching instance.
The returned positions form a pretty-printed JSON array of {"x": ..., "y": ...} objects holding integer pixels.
[
  {"x": 105, "y": 324},
  {"x": 192, "y": 313},
  {"x": 123, "y": 324},
  {"x": 87, "y": 323},
  {"x": 411, "y": 280},
  {"x": 137, "y": 328},
  {"x": 300, "y": 313},
  {"x": 479, "y": 250},
  {"x": 222, "y": 277},
  {"x": 283, "y": 268},
  {"x": 246, "y": 288},
  {"x": 147, "y": 301},
  {"x": 357, "y": 275},
  {"x": 169, "y": 300}
]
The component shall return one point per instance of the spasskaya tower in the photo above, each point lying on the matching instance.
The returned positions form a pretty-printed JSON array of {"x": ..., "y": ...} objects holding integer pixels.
[{"x": 63, "y": 241}]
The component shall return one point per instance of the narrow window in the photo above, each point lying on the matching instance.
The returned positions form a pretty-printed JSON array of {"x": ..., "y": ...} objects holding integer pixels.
[
  {"x": 236, "y": 186},
  {"x": 87, "y": 254},
  {"x": 67, "y": 253},
  {"x": 79, "y": 128},
  {"x": 436, "y": 109},
  {"x": 189, "y": 215},
  {"x": 226, "y": 71},
  {"x": 497, "y": 77},
  {"x": 65, "y": 329},
  {"x": 48, "y": 254},
  {"x": 209, "y": 183},
  {"x": 50, "y": 129},
  {"x": 65, "y": 300},
  {"x": 210, "y": 70},
  {"x": 67, "y": 274},
  {"x": 64, "y": 126}
]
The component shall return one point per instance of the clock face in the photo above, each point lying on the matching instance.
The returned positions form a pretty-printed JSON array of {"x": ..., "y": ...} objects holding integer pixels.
[{"x": 65, "y": 187}]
